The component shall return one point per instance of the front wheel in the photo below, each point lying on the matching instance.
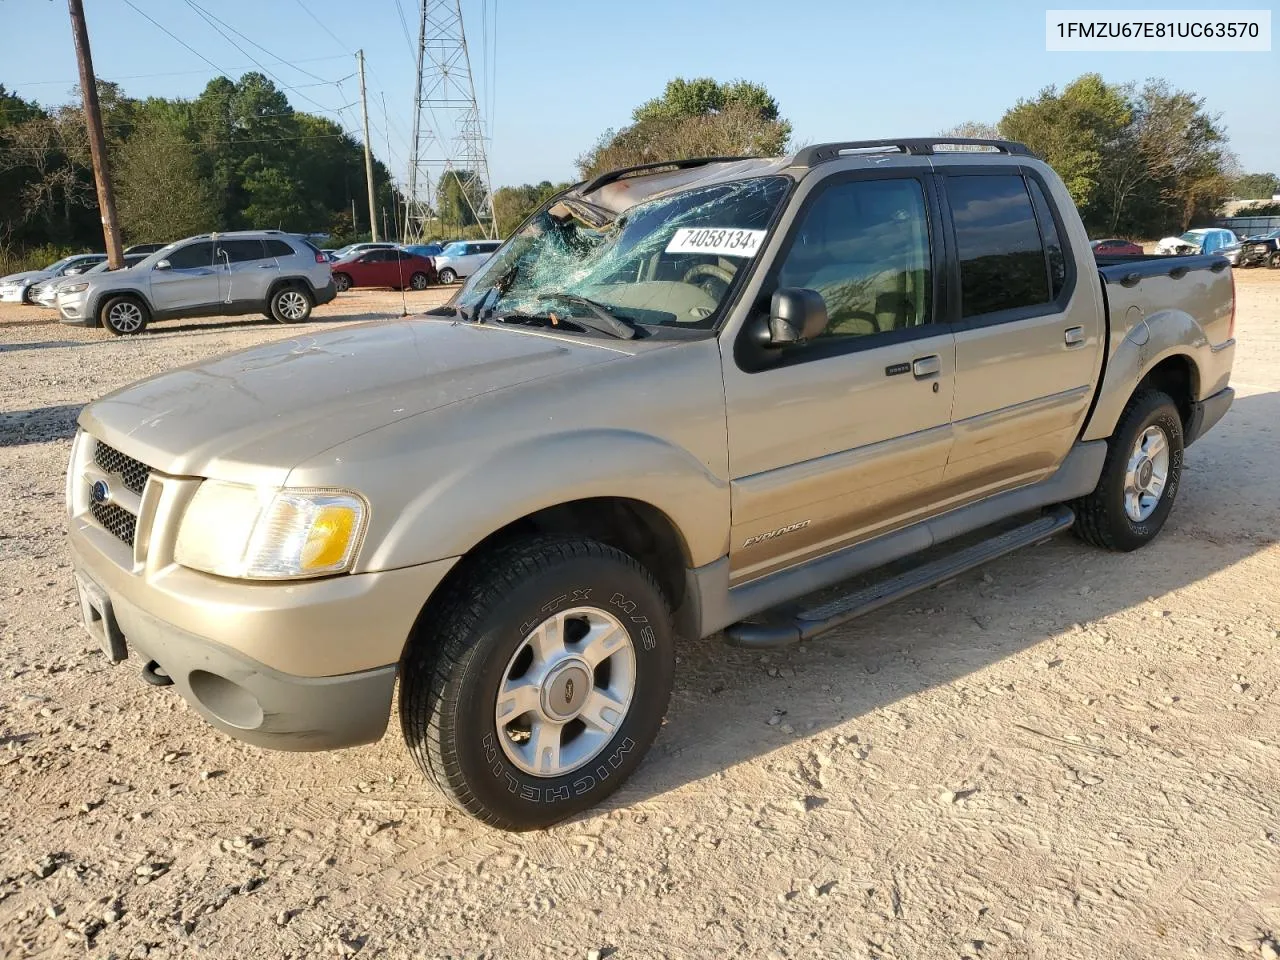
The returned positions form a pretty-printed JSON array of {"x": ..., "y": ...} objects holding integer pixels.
[
  {"x": 1274, "y": 261},
  {"x": 290, "y": 305},
  {"x": 447, "y": 276},
  {"x": 534, "y": 689},
  {"x": 1140, "y": 476},
  {"x": 124, "y": 315},
  {"x": 341, "y": 282}
]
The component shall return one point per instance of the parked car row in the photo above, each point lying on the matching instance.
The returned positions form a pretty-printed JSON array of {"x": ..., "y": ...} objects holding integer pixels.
[{"x": 413, "y": 266}]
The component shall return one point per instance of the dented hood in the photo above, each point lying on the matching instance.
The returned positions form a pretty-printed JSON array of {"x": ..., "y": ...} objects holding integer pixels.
[{"x": 252, "y": 416}]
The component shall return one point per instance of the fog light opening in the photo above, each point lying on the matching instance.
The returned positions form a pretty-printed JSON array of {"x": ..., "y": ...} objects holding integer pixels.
[{"x": 228, "y": 701}]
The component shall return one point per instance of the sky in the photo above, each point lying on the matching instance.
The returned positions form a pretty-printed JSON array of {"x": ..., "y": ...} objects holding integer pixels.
[{"x": 552, "y": 75}]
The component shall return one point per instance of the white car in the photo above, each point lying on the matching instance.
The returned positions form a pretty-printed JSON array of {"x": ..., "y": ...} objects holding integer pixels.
[
  {"x": 16, "y": 288},
  {"x": 45, "y": 293},
  {"x": 462, "y": 258},
  {"x": 1207, "y": 240}
]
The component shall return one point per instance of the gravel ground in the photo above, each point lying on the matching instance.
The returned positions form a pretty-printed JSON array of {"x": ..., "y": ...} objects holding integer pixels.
[{"x": 1067, "y": 754}]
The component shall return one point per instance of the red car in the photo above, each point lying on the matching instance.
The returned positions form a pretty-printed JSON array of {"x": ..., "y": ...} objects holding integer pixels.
[
  {"x": 392, "y": 268},
  {"x": 1115, "y": 248}
]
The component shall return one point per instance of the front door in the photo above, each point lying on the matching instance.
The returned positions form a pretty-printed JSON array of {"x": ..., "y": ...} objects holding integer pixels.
[
  {"x": 847, "y": 436},
  {"x": 193, "y": 279},
  {"x": 1028, "y": 337}
]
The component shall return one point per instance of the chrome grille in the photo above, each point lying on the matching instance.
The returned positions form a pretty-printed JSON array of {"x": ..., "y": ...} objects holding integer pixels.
[
  {"x": 115, "y": 520},
  {"x": 133, "y": 472}
]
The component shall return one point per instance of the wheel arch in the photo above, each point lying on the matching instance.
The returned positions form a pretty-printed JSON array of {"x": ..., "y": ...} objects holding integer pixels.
[
  {"x": 281, "y": 283},
  {"x": 100, "y": 298},
  {"x": 639, "y": 529}
]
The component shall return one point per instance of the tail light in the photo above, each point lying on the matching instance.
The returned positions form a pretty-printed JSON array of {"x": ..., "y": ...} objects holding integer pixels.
[{"x": 321, "y": 258}]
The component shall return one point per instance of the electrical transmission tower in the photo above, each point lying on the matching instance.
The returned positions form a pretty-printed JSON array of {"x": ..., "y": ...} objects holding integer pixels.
[{"x": 448, "y": 132}]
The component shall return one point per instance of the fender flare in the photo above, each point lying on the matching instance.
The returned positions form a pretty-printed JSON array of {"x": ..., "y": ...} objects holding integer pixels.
[
  {"x": 95, "y": 305},
  {"x": 459, "y": 507},
  {"x": 1153, "y": 339}
]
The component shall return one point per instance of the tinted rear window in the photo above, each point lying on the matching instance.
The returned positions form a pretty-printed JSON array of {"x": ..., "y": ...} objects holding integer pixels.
[
  {"x": 278, "y": 248},
  {"x": 1002, "y": 261}
]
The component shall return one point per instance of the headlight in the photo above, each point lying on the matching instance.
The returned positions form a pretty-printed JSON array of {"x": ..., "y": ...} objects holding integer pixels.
[
  {"x": 251, "y": 533},
  {"x": 74, "y": 288}
]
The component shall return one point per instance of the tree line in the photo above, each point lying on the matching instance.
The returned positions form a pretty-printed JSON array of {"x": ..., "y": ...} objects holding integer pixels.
[
  {"x": 1140, "y": 161},
  {"x": 237, "y": 156}
]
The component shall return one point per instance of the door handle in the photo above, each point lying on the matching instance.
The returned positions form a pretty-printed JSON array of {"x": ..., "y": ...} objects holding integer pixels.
[
  {"x": 924, "y": 367},
  {"x": 1073, "y": 336},
  {"x": 266, "y": 266}
]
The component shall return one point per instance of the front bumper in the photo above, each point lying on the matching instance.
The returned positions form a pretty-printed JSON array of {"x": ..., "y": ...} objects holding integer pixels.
[
  {"x": 13, "y": 294},
  {"x": 240, "y": 695},
  {"x": 72, "y": 309}
]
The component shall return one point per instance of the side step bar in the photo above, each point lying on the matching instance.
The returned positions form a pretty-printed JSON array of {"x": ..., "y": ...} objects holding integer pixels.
[{"x": 806, "y": 624}]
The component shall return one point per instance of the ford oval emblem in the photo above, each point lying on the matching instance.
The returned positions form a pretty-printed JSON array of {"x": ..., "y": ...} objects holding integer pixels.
[{"x": 100, "y": 492}]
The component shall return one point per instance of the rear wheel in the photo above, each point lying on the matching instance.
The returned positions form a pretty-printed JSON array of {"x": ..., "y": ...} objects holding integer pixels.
[
  {"x": 341, "y": 282},
  {"x": 535, "y": 687},
  {"x": 290, "y": 305},
  {"x": 124, "y": 315},
  {"x": 419, "y": 281},
  {"x": 448, "y": 276},
  {"x": 1140, "y": 476}
]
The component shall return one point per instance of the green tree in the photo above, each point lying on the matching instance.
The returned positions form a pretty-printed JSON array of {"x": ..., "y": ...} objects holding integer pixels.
[
  {"x": 694, "y": 118},
  {"x": 460, "y": 199},
  {"x": 511, "y": 205},
  {"x": 159, "y": 192},
  {"x": 1255, "y": 186},
  {"x": 1075, "y": 131}
]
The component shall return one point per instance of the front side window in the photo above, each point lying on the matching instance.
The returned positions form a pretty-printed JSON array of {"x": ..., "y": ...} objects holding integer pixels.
[
  {"x": 864, "y": 245},
  {"x": 192, "y": 255},
  {"x": 665, "y": 262},
  {"x": 1002, "y": 259}
]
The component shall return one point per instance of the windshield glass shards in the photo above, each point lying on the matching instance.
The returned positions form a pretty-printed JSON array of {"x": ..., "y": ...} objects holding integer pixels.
[{"x": 668, "y": 262}]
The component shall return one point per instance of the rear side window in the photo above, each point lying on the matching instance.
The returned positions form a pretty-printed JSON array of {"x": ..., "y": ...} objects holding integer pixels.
[
  {"x": 240, "y": 251},
  {"x": 1055, "y": 259},
  {"x": 192, "y": 255},
  {"x": 278, "y": 248},
  {"x": 1002, "y": 259}
]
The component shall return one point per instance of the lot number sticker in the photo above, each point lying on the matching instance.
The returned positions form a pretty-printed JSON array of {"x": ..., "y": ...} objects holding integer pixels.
[{"x": 725, "y": 241}]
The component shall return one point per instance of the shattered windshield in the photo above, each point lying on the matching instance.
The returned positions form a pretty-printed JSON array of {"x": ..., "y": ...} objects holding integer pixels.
[{"x": 670, "y": 261}]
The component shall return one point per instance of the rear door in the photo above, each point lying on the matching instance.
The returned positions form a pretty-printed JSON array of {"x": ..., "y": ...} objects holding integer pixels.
[
  {"x": 1029, "y": 330},
  {"x": 249, "y": 270},
  {"x": 193, "y": 279},
  {"x": 847, "y": 436}
]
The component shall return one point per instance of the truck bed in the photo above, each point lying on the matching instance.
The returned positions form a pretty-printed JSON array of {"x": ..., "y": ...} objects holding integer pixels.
[{"x": 1199, "y": 285}]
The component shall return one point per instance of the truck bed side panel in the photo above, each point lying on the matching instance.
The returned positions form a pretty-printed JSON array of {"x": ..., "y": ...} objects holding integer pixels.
[{"x": 1161, "y": 307}]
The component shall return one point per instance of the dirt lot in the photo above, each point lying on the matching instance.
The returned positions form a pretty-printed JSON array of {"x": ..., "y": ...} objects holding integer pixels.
[{"x": 1068, "y": 754}]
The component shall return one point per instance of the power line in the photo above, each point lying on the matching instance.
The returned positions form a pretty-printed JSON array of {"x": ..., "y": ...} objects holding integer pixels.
[
  {"x": 167, "y": 73},
  {"x": 342, "y": 46},
  {"x": 287, "y": 63},
  {"x": 174, "y": 36}
]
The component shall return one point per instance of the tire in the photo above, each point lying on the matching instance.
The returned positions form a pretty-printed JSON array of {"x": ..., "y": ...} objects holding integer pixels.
[
  {"x": 342, "y": 282},
  {"x": 291, "y": 304},
  {"x": 447, "y": 276},
  {"x": 419, "y": 281},
  {"x": 482, "y": 634},
  {"x": 124, "y": 315},
  {"x": 1274, "y": 261},
  {"x": 1112, "y": 518}
]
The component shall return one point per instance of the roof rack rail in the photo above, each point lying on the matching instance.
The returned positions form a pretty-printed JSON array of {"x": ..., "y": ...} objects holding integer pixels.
[
  {"x": 915, "y": 146},
  {"x": 613, "y": 175}
]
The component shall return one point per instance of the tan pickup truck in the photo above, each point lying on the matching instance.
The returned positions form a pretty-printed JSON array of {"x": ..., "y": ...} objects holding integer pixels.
[{"x": 679, "y": 399}]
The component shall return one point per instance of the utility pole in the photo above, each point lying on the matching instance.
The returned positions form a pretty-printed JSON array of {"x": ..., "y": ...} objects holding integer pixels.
[
  {"x": 368, "y": 153},
  {"x": 97, "y": 139}
]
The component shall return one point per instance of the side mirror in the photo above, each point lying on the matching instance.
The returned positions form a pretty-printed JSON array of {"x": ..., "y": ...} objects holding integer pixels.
[
  {"x": 163, "y": 265},
  {"x": 75, "y": 271},
  {"x": 796, "y": 315}
]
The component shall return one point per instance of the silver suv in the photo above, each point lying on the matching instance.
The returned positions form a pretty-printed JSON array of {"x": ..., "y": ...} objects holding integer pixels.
[{"x": 217, "y": 274}]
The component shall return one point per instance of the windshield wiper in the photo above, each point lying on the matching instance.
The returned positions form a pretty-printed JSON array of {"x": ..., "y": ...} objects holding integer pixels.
[
  {"x": 602, "y": 321},
  {"x": 478, "y": 312}
]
